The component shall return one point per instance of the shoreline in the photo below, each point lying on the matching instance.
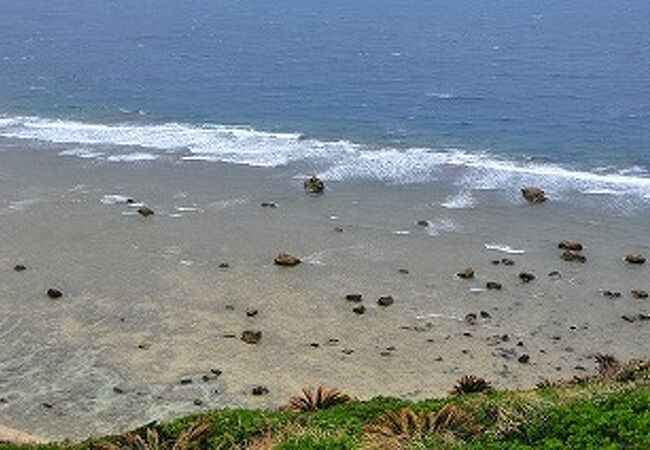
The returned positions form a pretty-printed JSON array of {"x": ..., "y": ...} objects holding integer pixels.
[{"x": 147, "y": 305}]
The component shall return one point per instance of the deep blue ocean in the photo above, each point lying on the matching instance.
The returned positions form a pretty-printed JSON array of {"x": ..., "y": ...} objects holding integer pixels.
[{"x": 384, "y": 87}]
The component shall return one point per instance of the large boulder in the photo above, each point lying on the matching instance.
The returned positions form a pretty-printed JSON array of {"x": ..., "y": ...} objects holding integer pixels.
[
  {"x": 533, "y": 194},
  {"x": 314, "y": 186}
]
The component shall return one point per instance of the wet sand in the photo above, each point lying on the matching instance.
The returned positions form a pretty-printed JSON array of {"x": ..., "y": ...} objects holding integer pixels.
[{"x": 146, "y": 303}]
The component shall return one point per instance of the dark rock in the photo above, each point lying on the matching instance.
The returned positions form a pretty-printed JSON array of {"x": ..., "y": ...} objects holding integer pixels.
[
  {"x": 118, "y": 390},
  {"x": 572, "y": 255},
  {"x": 54, "y": 293},
  {"x": 385, "y": 301},
  {"x": 224, "y": 265},
  {"x": 555, "y": 274},
  {"x": 144, "y": 345},
  {"x": 251, "y": 336},
  {"x": 496, "y": 262},
  {"x": 493, "y": 286},
  {"x": 259, "y": 390},
  {"x": 347, "y": 351},
  {"x": 251, "y": 312},
  {"x": 269, "y": 205},
  {"x": 533, "y": 194},
  {"x": 466, "y": 273},
  {"x": 47, "y": 405},
  {"x": 360, "y": 309},
  {"x": 286, "y": 260},
  {"x": 384, "y": 353},
  {"x": 422, "y": 223},
  {"x": 216, "y": 372},
  {"x": 612, "y": 294},
  {"x": 485, "y": 315},
  {"x": 198, "y": 402},
  {"x": 356, "y": 298},
  {"x": 507, "y": 262},
  {"x": 639, "y": 317},
  {"x": 338, "y": 229},
  {"x": 570, "y": 245},
  {"x": 145, "y": 211},
  {"x": 526, "y": 277},
  {"x": 403, "y": 271},
  {"x": 314, "y": 345},
  {"x": 639, "y": 294},
  {"x": 314, "y": 186},
  {"x": 635, "y": 259},
  {"x": 524, "y": 359},
  {"x": 20, "y": 267},
  {"x": 186, "y": 380},
  {"x": 470, "y": 319}
]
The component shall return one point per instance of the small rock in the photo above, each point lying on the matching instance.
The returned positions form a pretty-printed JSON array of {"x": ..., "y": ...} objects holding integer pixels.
[
  {"x": 251, "y": 312},
  {"x": 385, "y": 301},
  {"x": 251, "y": 336},
  {"x": 639, "y": 294},
  {"x": 259, "y": 390},
  {"x": 555, "y": 274},
  {"x": 47, "y": 405},
  {"x": 403, "y": 271},
  {"x": 314, "y": 186},
  {"x": 485, "y": 315},
  {"x": 286, "y": 260},
  {"x": 422, "y": 223},
  {"x": 186, "y": 380},
  {"x": 198, "y": 402},
  {"x": 118, "y": 390},
  {"x": 54, "y": 293},
  {"x": 144, "y": 345},
  {"x": 356, "y": 298},
  {"x": 314, "y": 345},
  {"x": 612, "y": 294},
  {"x": 216, "y": 372},
  {"x": 269, "y": 205},
  {"x": 493, "y": 286},
  {"x": 145, "y": 211},
  {"x": 229, "y": 335},
  {"x": 347, "y": 351},
  {"x": 524, "y": 359},
  {"x": 338, "y": 229},
  {"x": 572, "y": 255},
  {"x": 533, "y": 194},
  {"x": 224, "y": 265},
  {"x": 20, "y": 267},
  {"x": 526, "y": 277},
  {"x": 635, "y": 259},
  {"x": 384, "y": 353},
  {"x": 570, "y": 245},
  {"x": 470, "y": 319},
  {"x": 507, "y": 262},
  {"x": 360, "y": 309},
  {"x": 466, "y": 273}
]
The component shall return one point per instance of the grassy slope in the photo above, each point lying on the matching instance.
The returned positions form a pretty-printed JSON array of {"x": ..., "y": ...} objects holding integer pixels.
[{"x": 602, "y": 412}]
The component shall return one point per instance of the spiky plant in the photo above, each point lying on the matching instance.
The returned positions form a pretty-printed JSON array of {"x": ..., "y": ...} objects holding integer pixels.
[
  {"x": 191, "y": 439},
  {"x": 608, "y": 365},
  {"x": 469, "y": 384},
  {"x": 316, "y": 399},
  {"x": 394, "y": 429}
]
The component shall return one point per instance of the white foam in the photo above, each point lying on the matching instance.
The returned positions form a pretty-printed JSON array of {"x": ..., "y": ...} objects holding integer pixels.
[
  {"x": 439, "y": 226},
  {"x": 114, "y": 199},
  {"x": 505, "y": 249},
  {"x": 337, "y": 160},
  {"x": 462, "y": 200},
  {"x": 82, "y": 153},
  {"x": 133, "y": 157}
]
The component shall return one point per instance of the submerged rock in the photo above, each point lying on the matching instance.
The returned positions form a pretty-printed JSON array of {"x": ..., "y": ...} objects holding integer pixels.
[
  {"x": 145, "y": 211},
  {"x": 466, "y": 273},
  {"x": 570, "y": 245},
  {"x": 360, "y": 309},
  {"x": 259, "y": 390},
  {"x": 533, "y": 194},
  {"x": 20, "y": 267},
  {"x": 639, "y": 294},
  {"x": 314, "y": 186},
  {"x": 573, "y": 255},
  {"x": 251, "y": 336},
  {"x": 385, "y": 301},
  {"x": 286, "y": 260},
  {"x": 635, "y": 259},
  {"x": 54, "y": 293},
  {"x": 269, "y": 205},
  {"x": 507, "y": 262},
  {"x": 493, "y": 286},
  {"x": 612, "y": 294},
  {"x": 470, "y": 319},
  {"x": 422, "y": 223},
  {"x": 356, "y": 298},
  {"x": 526, "y": 277}
]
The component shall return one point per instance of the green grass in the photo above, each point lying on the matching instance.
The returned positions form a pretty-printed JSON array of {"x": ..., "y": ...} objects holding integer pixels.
[{"x": 598, "y": 413}]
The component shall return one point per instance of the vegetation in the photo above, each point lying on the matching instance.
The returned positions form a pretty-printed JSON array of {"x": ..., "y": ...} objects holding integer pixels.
[{"x": 608, "y": 410}]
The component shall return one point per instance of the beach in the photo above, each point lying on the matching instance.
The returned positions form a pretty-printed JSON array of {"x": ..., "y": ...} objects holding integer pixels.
[{"x": 153, "y": 308}]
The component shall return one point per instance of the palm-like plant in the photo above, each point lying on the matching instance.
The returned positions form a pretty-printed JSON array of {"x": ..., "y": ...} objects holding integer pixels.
[
  {"x": 469, "y": 384},
  {"x": 191, "y": 439},
  {"x": 316, "y": 399}
]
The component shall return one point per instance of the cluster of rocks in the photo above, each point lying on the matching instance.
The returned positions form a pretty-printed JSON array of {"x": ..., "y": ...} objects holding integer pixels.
[
  {"x": 314, "y": 186},
  {"x": 383, "y": 301},
  {"x": 572, "y": 251}
]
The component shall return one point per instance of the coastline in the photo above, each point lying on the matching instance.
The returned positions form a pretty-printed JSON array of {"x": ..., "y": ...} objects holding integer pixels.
[{"x": 146, "y": 304}]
